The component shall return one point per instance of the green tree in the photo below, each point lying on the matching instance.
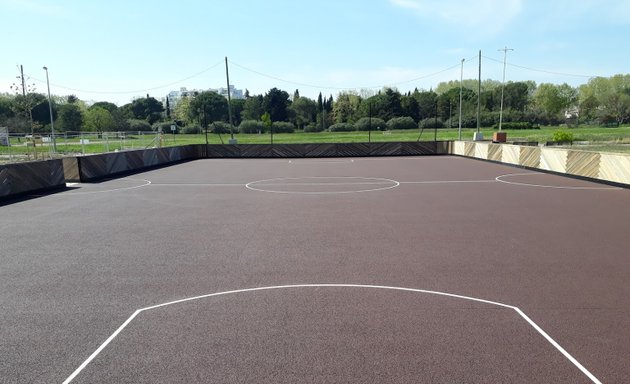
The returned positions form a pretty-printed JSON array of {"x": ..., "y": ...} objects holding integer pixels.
[
  {"x": 111, "y": 107},
  {"x": 516, "y": 96},
  {"x": 393, "y": 107},
  {"x": 346, "y": 108},
  {"x": 276, "y": 102},
  {"x": 555, "y": 98},
  {"x": 426, "y": 103},
  {"x": 237, "y": 109},
  {"x": 70, "y": 117},
  {"x": 304, "y": 111},
  {"x": 181, "y": 112},
  {"x": 5, "y": 108},
  {"x": 208, "y": 107},
  {"x": 253, "y": 108},
  {"x": 99, "y": 119},
  {"x": 410, "y": 107},
  {"x": 147, "y": 108}
]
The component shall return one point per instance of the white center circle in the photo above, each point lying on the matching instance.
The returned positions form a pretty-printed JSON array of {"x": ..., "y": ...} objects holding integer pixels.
[{"x": 322, "y": 185}]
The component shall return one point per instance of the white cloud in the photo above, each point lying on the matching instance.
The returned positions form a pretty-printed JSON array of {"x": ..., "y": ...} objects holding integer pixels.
[{"x": 492, "y": 15}]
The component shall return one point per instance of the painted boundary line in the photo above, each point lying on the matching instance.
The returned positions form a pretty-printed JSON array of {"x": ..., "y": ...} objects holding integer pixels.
[
  {"x": 500, "y": 179},
  {"x": 520, "y": 313},
  {"x": 388, "y": 184}
]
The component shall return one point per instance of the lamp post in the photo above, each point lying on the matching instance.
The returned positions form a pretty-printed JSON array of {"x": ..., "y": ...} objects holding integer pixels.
[
  {"x": 461, "y": 85},
  {"x": 52, "y": 123}
]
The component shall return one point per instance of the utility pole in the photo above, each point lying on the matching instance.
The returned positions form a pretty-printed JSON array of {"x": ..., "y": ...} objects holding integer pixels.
[
  {"x": 23, "y": 81},
  {"x": 505, "y": 51},
  {"x": 52, "y": 123},
  {"x": 229, "y": 98}
]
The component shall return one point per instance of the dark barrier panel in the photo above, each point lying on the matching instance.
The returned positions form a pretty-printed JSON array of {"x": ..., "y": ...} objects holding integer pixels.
[
  {"x": 288, "y": 150},
  {"x": 94, "y": 167},
  {"x": 320, "y": 150},
  {"x": 37, "y": 176},
  {"x": 328, "y": 150},
  {"x": 352, "y": 149}
]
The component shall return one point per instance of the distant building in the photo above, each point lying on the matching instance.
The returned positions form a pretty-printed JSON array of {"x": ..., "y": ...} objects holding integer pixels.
[
  {"x": 234, "y": 93},
  {"x": 175, "y": 96}
]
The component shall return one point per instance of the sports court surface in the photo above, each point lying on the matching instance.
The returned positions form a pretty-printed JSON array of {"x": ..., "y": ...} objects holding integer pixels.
[{"x": 350, "y": 270}]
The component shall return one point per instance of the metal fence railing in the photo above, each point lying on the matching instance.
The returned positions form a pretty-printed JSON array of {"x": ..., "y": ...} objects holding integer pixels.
[{"x": 21, "y": 147}]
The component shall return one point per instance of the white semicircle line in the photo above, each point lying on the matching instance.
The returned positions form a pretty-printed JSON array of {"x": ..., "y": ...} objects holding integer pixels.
[{"x": 567, "y": 355}]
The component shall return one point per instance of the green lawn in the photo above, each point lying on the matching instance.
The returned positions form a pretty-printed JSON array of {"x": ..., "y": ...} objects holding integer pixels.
[{"x": 600, "y": 139}]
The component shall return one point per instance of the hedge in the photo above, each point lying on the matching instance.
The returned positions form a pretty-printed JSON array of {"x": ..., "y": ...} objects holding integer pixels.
[
  {"x": 342, "y": 127},
  {"x": 405, "y": 122}
]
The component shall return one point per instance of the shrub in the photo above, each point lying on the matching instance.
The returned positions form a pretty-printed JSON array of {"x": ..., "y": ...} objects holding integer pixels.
[
  {"x": 363, "y": 124},
  {"x": 219, "y": 127},
  {"x": 191, "y": 129},
  {"x": 251, "y": 126},
  {"x": 139, "y": 125},
  {"x": 402, "y": 123},
  {"x": 342, "y": 127},
  {"x": 431, "y": 123},
  {"x": 313, "y": 128},
  {"x": 283, "y": 127},
  {"x": 561, "y": 135}
]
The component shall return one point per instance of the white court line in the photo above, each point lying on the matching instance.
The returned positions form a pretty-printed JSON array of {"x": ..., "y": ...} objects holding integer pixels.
[
  {"x": 147, "y": 182},
  {"x": 448, "y": 181},
  {"x": 389, "y": 184},
  {"x": 521, "y": 313},
  {"x": 307, "y": 162},
  {"x": 499, "y": 179},
  {"x": 197, "y": 185},
  {"x": 357, "y": 183}
]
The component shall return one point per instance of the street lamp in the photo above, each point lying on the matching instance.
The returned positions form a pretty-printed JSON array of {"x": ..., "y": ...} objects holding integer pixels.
[
  {"x": 461, "y": 88},
  {"x": 52, "y": 123}
]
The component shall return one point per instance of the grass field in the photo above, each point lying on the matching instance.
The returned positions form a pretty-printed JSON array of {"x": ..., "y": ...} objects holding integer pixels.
[{"x": 588, "y": 138}]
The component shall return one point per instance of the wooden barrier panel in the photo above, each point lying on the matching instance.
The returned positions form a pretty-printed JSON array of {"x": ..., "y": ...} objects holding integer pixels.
[
  {"x": 594, "y": 165},
  {"x": 553, "y": 159},
  {"x": 529, "y": 157},
  {"x": 511, "y": 154},
  {"x": 582, "y": 163},
  {"x": 495, "y": 151},
  {"x": 614, "y": 167},
  {"x": 481, "y": 150}
]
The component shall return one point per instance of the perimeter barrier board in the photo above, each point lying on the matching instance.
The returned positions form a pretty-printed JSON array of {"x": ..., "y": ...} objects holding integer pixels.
[
  {"x": 495, "y": 152},
  {"x": 606, "y": 167},
  {"x": 320, "y": 150},
  {"x": 288, "y": 150},
  {"x": 614, "y": 167},
  {"x": 530, "y": 157},
  {"x": 584, "y": 164},
  {"x": 36, "y": 176}
]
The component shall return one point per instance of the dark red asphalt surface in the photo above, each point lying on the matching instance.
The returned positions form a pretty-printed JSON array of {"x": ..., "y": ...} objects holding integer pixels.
[{"x": 76, "y": 265}]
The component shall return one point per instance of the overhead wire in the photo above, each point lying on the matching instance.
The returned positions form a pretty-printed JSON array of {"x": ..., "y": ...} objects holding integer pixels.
[
  {"x": 540, "y": 70},
  {"x": 318, "y": 86},
  {"x": 342, "y": 88},
  {"x": 136, "y": 90}
]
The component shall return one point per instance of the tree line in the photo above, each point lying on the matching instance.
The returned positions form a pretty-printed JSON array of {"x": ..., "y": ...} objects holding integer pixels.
[{"x": 602, "y": 101}]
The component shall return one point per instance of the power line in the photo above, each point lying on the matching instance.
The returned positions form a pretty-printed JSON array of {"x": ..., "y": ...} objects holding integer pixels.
[
  {"x": 540, "y": 70},
  {"x": 319, "y": 86},
  {"x": 136, "y": 90}
]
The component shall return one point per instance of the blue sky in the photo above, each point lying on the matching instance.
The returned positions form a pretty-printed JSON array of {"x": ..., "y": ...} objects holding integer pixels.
[{"x": 116, "y": 50}]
